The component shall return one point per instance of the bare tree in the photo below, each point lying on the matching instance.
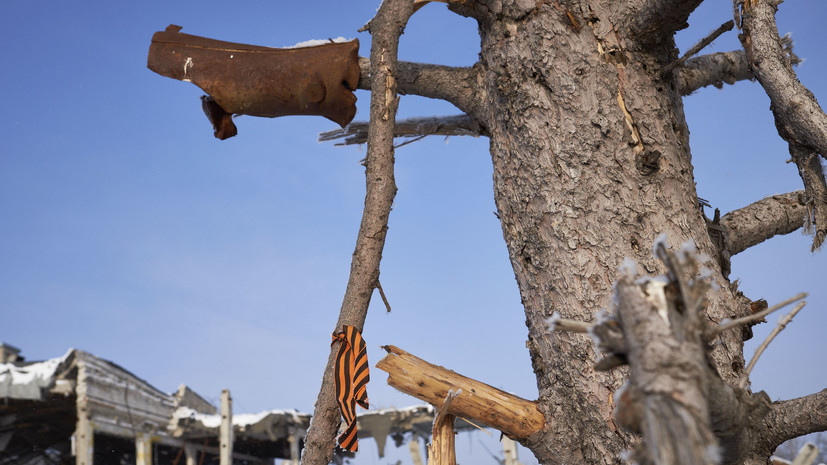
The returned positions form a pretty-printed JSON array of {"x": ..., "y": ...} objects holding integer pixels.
[{"x": 582, "y": 103}]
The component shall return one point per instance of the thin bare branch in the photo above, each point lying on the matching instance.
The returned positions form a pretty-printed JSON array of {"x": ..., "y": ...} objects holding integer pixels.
[
  {"x": 798, "y": 117},
  {"x": 384, "y": 297},
  {"x": 815, "y": 193},
  {"x": 757, "y": 316},
  {"x": 727, "y": 26},
  {"x": 761, "y": 220},
  {"x": 713, "y": 69},
  {"x": 385, "y": 29},
  {"x": 455, "y": 85},
  {"x": 456, "y": 125},
  {"x": 782, "y": 323}
]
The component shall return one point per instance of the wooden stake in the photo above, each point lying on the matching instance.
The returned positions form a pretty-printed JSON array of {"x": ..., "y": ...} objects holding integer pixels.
[
  {"x": 143, "y": 449},
  {"x": 191, "y": 454},
  {"x": 477, "y": 401},
  {"x": 510, "y": 451},
  {"x": 84, "y": 435},
  {"x": 441, "y": 451},
  {"x": 416, "y": 457},
  {"x": 225, "y": 432}
]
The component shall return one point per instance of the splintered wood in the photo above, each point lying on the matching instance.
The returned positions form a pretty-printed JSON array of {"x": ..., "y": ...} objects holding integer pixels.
[
  {"x": 476, "y": 401},
  {"x": 441, "y": 451}
]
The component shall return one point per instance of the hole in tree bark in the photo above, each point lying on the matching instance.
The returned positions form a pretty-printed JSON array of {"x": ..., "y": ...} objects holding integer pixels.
[{"x": 648, "y": 162}]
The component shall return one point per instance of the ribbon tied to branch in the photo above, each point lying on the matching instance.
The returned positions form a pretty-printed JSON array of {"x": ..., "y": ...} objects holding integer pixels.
[{"x": 352, "y": 376}]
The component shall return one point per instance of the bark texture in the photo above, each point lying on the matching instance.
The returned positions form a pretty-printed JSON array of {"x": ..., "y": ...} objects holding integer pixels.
[{"x": 591, "y": 162}]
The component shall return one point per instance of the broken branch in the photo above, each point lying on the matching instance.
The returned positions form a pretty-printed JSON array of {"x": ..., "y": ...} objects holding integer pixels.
[
  {"x": 713, "y": 69},
  {"x": 761, "y": 220},
  {"x": 556, "y": 323},
  {"x": 457, "y": 125},
  {"x": 441, "y": 451},
  {"x": 514, "y": 416},
  {"x": 782, "y": 323},
  {"x": 665, "y": 398},
  {"x": 382, "y": 294}
]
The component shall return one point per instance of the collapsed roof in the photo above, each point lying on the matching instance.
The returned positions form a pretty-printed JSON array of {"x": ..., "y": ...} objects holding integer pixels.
[{"x": 43, "y": 401}]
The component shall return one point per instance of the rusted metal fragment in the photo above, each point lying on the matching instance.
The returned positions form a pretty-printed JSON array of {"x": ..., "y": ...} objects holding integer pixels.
[
  {"x": 222, "y": 122},
  {"x": 260, "y": 81}
]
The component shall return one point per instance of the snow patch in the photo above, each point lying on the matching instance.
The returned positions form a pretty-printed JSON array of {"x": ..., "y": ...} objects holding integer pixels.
[
  {"x": 552, "y": 321},
  {"x": 240, "y": 420},
  {"x": 688, "y": 248},
  {"x": 713, "y": 453},
  {"x": 628, "y": 267},
  {"x": 317, "y": 42},
  {"x": 660, "y": 241},
  {"x": 26, "y": 382}
]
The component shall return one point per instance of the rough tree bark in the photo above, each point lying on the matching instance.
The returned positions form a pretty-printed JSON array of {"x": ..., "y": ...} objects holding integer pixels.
[
  {"x": 591, "y": 162},
  {"x": 591, "y": 159}
]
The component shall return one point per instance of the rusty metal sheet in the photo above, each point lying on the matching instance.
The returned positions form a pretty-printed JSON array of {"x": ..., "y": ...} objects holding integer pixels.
[{"x": 260, "y": 81}]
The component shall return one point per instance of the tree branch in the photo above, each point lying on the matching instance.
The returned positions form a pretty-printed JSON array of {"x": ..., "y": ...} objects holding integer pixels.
[
  {"x": 789, "y": 419},
  {"x": 782, "y": 323},
  {"x": 457, "y": 125},
  {"x": 385, "y": 29},
  {"x": 727, "y": 26},
  {"x": 798, "y": 117},
  {"x": 756, "y": 317},
  {"x": 723, "y": 67},
  {"x": 455, "y": 85},
  {"x": 713, "y": 69},
  {"x": 759, "y": 221}
]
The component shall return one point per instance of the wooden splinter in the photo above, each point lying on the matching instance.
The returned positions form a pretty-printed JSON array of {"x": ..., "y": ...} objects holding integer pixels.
[
  {"x": 441, "y": 451},
  {"x": 518, "y": 418}
]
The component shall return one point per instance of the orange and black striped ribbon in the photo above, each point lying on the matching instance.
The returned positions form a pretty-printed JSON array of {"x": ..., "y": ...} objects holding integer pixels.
[{"x": 352, "y": 378}]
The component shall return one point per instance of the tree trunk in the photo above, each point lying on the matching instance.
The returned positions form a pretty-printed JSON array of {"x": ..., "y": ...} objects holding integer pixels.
[{"x": 591, "y": 163}]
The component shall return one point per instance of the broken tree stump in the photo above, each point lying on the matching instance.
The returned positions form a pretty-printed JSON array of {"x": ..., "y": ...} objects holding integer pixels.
[
  {"x": 441, "y": 451},
  {"x": 516, "y": 417}
]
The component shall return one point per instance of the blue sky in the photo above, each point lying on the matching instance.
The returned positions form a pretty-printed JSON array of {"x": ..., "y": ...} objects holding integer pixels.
[{"x": 130, "y": 232}]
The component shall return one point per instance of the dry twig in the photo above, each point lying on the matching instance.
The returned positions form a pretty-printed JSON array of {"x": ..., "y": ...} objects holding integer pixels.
[
  {"x": 757, "y": 316},
  {"x": 782, "y": 323}
]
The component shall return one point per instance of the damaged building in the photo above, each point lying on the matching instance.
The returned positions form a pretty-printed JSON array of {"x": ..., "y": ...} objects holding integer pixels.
[{"x": 80, "y": 409}]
